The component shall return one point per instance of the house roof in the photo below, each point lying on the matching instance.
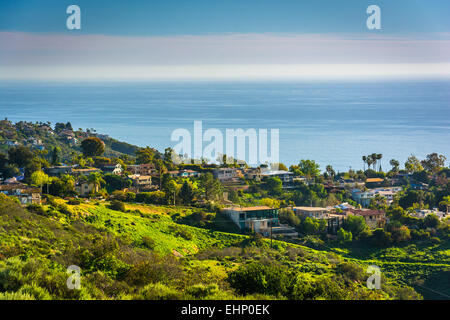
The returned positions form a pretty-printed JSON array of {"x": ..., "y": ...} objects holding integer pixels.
[
  {"x": 367, "y": 212},
  {"x": 374, "y": 180},
  {"x": 312, "y": 209},
  {"x": 249, "y": 208}
]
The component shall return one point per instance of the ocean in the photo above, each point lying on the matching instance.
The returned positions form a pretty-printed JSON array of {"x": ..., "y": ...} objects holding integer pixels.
[{"x": 332, "y": 123}]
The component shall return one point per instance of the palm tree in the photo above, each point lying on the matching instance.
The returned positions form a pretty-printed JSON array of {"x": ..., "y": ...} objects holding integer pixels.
[
  {"x": 364, "y": 159},
  {"x": 369, "y": 161},
  {"x": 445, "y": 202},
  {"x": 96, "y": 179},
  {"x": 373, "y": 156},
  {"x": 379, "y": 157}
]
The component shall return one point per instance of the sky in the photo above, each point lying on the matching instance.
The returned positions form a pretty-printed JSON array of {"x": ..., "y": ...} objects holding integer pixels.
[{"x": 224, "y": 39}]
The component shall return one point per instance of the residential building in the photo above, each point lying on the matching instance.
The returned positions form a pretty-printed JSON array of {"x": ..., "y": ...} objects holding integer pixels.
[
  {"x": 252, "y": 174},
  {"x": 23, "y": 192},
  {"x": 241, "y": 216},
  {"x": 365, "y": 197},
  {"x": 312, "y": 212},
  {"x": 188, "y": 173},
  {"x": 423, "y": 213},
  {"x": 286, "y": 177},
  {"x": 224, "y": 174},
  {"x": 374, "y": 218},
  {"x": 85, "y": 172},
  {"x": 83, "y": 188},
  {"x": 113, "y": 169},
  {"x": 141, "y": 183},
  {"x": 58, "y": 170},
  {"x": 145, "y": 169}
]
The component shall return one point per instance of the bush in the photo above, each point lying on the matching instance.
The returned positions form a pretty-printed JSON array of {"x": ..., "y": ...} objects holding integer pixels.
[
  {"x": 74, "y": 202},
  {"x": 344, "y": 236},
  {"x": 117, "y": 205},
  {"x": 159, "y": 291},
  {"x": 258, "y": 278},
  {"x": 200, "y": 291},
  {"x": 37, "y": 209},
  {"x": 148, "y": 242},
  {"x": 15, "y": 296}
]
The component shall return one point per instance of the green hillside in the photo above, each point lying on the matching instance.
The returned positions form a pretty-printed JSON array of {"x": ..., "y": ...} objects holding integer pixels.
[{"x": 144, "y": 253}]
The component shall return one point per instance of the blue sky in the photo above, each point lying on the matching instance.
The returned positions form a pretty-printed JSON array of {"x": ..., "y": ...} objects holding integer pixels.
[
  {"x": 174, "y": 17},
  {"x": 180, "y": 39}
]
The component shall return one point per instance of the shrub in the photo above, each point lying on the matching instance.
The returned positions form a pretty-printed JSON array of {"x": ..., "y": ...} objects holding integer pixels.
[
  {"x": 159, "y": 291},
  {"x": 74, "y": 202},
  {"x": 200, "y": 291},
  {"x": 148, "y": 242},
  {"x": 117, "y": 205},
  {"x": 37, "y": 209},
  {"x": 15, "y": 296}
]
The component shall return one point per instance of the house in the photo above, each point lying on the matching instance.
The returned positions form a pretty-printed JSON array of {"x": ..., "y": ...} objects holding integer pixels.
[
  {"x": 23, "y": 192},
  {"x": 365, "y": 197},
  {"x": 145, "y": 169},
  {"x": 422, "y": 213},
  {"x": 58, "y": 170},
  {"x": 141, "y": 182},
  {"x": 260, "y": 219},
  {"x": 113, "y": 169},
  {"x": 374, "y": 218},
  {"x": 252, "y": 174},
  {"x": 188, "y": 173},
  {"x": 335, "y": 222},
  {"x": 85, "y": 172},
  {"x": 312, "y": 212},
  {"x": 12, "y": 143},
  {"x": 224, "y": 174},
  {"x": 242, "y": 216},
  {"x": 83, "y": 188},
  {"x": 286, "y": 177},
  {"x": 374, "y": 182}
]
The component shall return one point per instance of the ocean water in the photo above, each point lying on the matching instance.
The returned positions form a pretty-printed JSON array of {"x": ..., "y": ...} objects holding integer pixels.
[{"x": 332, "y": 123}]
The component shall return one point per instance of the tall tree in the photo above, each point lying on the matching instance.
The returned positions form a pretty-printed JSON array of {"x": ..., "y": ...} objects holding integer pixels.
[
  {"x": 395, "y": 165},
  {"x": 413, "y": 164},
  {"x": 434, "y": 162},
  {"x": 92, "y": 147}
]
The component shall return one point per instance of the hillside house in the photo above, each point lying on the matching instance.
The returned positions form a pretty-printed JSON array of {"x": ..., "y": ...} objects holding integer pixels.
[{"x": 25, "y": 194}]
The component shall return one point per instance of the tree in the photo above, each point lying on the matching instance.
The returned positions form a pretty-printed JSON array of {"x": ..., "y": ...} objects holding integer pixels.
[
  {"x": 395, "y": 165},
  {"x": 145, "y": 155},
  {"x": 364, "y": 159},
  {"x": 434, "y": 162},
  {"x": 96, "y": 179},
  {"x": 39, "y": 178},
  {"x": 344, "y": 236},
  {"x": 401, "y": 234},
  {"x": 413, "y": 165},
  {"x": 21, "y": 156},
  {"x": 55, "y": 155},
  {"x": 211, "y": 186},
  {"x": 445, "y": 203},
  {"x": 379, "y": 156},
  {"x": 330, "y": 171},
  {"x": 431, "y": 221},
  {"x": 92, "y": 147},
  {"x": 309, "y": 168},
  {"x": 355, "y": 224},
  {"x": 187, "y": 192},
  {"x": 274, "y": 185}
]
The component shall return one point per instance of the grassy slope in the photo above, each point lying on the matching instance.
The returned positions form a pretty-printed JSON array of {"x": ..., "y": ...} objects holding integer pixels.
[
  {"x": 24, "y": 233},
  {"x": 422, "y": 265}
]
